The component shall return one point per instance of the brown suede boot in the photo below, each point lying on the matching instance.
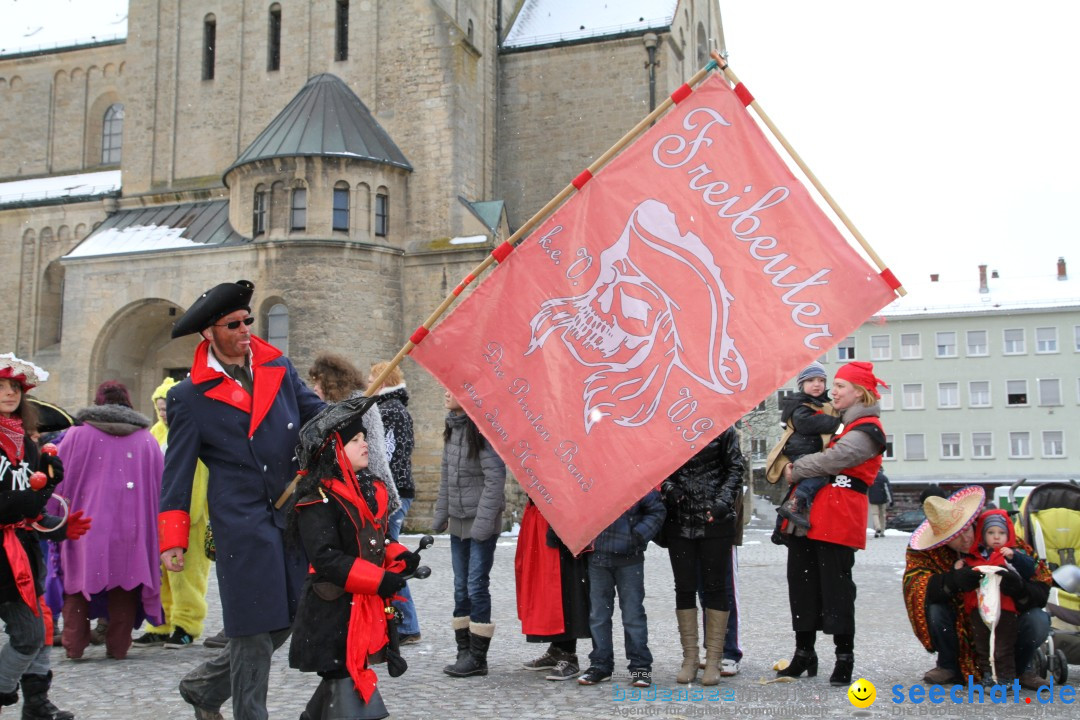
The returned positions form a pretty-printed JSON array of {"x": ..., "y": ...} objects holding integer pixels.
[
  {"x": 715, "y": 632},
  {"x": 688, "y": 633}
]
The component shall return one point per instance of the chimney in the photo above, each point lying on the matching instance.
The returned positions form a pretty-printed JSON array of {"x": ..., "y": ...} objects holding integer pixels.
[
  {"x": 933, "y": 277},
  {"x": 1062, "y": 275},
  {"x": 983, "y": 287}
]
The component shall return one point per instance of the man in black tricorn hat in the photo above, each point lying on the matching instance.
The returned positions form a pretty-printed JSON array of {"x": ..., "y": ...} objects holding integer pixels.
[{"x": 240, "y": 412}]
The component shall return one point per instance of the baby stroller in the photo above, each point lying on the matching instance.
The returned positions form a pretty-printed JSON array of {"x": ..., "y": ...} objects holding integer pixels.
[{"x": 1049, "y": 520}]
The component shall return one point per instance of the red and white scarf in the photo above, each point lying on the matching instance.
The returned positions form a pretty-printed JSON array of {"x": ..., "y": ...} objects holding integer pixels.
[{"x": 12, "y": 436}]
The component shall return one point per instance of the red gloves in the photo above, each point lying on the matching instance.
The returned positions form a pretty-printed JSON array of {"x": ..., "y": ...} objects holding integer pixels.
[{"x": 77, "y": 525}]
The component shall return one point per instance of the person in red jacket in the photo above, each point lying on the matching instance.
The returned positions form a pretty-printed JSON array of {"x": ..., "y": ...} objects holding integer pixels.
[{"x": 821, "y": 590}]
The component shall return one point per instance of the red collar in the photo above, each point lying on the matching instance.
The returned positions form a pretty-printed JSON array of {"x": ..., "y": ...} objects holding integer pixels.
[{"x": 266, "y": 380}]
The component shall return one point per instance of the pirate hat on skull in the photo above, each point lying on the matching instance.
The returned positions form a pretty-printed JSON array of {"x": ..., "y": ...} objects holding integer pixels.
[
  {"x": 947, "y": 517},
  {"x": 345, "y": 418},
  {"x": 214, "y": 304}
]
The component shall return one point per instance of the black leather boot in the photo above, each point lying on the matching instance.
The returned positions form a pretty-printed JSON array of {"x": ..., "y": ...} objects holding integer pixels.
[
  {"x": 475, "y": 660},
  {"x": 841, "y": 674},
  {"x": 36, "y": 703},
  {"x": 803, "y": 661}
]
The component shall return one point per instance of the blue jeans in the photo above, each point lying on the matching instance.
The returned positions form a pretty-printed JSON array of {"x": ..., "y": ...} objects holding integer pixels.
[
  {"x": 1032, "y": 627},
  {"x": 410, "y": 624},
  {"x": 629, "y": 581},
  {"x": 472, "y": 561}
]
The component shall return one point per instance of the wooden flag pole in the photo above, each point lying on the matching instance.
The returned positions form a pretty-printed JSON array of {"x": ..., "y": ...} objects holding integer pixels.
[
  {"x": 521, "y": 232},
  {"x": 730, "y": 75}
]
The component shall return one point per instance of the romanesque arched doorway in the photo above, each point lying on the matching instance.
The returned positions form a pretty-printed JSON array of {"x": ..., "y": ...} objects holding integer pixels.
[{"x": 135, "y": 348}]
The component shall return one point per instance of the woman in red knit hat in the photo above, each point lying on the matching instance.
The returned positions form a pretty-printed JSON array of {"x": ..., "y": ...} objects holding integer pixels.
[{"x": 821, "y": 591}]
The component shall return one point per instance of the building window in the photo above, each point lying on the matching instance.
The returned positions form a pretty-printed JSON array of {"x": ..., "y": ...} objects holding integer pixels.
[
  {"x": 846, "y": 349},
  {"x": 948, "y": 395},
  {"x": 979, "y": 393},
  {"x": 977, "y": 343},
  {"x": 112, "y": 133},
  {"x": 886, "y": 401},
  {"x": 341, "y": 208},
  {"x": 915, "y": 447},
  {"x": 341, "y": 31},
  {"x": 1049, "y": 391},
  {"x": 1014, "y": 341},
  {"x": 273, "y": 43},
  {"x": 1016, "y": 392},
  {"x": 950, "y": 446},
  {"x": 880, "y": 347},
  {"x": 1046, "y": 340},
  {"x": 946, "y": 344},
  {"x": 889, "y": 453},
  {"x": 382, "y": 214},
  {"x": 1076, "y": 338},
  {"x": 1053, "y": 444},
  {"x": 258, "y": 213},
  {"x": 782, "y": 394},
  {"x": 277, "y": 327},
  {"x": 759, "y": 447},
  {"x": 913, "y": 396},
  {"x": 910, "y": 346},
  {"x": 1019, "y": 445},
  {"x": 209, "y": 46},
  {"x": 298, "y": 212},
  {"x": 982, "y": 445}
]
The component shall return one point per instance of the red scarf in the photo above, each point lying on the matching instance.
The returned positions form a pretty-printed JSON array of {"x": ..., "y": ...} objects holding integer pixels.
[{"x": 12, "y": 436}]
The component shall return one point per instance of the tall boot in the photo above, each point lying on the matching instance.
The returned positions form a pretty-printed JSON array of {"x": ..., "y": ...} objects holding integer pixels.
[
  {"x": 688, "y": 634},
  {"x": 715, "y": 632},
  {"x": 36, "y": 703},
  {"x": 845, "y": 659},
  {"x": 475, "y": 660},
  {"x": 461, "y": 636}
]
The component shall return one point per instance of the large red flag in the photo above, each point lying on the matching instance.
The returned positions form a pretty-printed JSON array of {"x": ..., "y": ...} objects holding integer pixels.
[{"x": 684, "y": 283}]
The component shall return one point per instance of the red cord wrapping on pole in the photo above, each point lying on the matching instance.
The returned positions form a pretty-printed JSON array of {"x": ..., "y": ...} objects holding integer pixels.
[
  {"x": 580, "y": 180},
  {"x": 681, "y": 93},
  {"x": 463, "y": 284},
  {"x": 887, "y": 276},
  {"x": 502, "y": 251},
  {"x": 418, "y": 337},
  {"x": 743, "y": 94}
]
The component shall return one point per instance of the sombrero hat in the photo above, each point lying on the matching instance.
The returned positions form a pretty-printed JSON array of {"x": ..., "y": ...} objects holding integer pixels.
[{"x": 947, "y": 517}]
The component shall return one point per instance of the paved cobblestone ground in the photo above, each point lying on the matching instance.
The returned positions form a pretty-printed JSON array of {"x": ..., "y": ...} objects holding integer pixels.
[{"x": 886, "y": 653}]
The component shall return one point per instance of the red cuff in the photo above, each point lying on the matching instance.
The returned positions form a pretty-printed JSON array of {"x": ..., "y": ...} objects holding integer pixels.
[
  {"x": 173, "y": 529},
  {"x": 364, "y": 578},
  {"x": 393, "y": 550}
]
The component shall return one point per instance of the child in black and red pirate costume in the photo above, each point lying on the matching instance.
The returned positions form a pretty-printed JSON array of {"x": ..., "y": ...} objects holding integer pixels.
[
  {"x": 27, "y": 481},
  {"x": 345, "y": 621}
]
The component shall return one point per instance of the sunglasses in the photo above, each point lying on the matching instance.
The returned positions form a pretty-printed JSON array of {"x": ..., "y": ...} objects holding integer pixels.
[{"x": 235, "y": 324}]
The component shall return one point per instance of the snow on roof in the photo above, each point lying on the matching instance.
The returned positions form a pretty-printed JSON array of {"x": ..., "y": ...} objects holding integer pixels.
[
  {"x": 1004, "y": 293},
  {"x": 135, "y": 238},
  {"x": 541, "y": 22},
  {"x": 40, "y": 25},
  {"x": 60, "y": 186}
]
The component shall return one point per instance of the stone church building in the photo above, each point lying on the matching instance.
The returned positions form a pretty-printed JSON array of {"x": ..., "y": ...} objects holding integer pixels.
[{"x": 352, "y": 158}]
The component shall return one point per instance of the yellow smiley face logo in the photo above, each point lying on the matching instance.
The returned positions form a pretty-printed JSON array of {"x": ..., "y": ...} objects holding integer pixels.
[{"x": 862, "y": 693}]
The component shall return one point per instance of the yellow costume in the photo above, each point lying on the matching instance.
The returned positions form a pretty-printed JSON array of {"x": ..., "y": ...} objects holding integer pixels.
[{"x": 183, "y": 594}]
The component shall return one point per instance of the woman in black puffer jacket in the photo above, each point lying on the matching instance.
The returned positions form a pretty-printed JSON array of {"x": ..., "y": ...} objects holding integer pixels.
[{"x": 701, "y": 498}]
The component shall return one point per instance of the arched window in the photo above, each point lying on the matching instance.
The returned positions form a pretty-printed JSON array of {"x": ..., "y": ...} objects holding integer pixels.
[
  {"x": 273, "y": 45},
  {"x": 469, "y": 31},
  {"x": 382, "y": 213},
  {"x": 112, "y": 133},
  {"x": 260, "y": 211},
  {"x": 277, "y": 327},
  {"x": 209, "y": 46},
  {"x": 298, "y": 213},
  {"x": 702, "y": 46},
  {"x": 341, "y": 31},
  {"x": 341, "y": 206}
]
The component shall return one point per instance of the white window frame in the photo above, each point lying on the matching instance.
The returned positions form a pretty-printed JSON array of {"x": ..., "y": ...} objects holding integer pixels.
[
  {"x": 985, "y": 343},
  {"x": 908, "y": 438},
  {"x": 921, "y": 401},
  {"x": 1040, "y": 383},
  {"x": 1047, "y": 345},
  {"x": 1076, "y": 338},
  {"x": 1020, "y": 435},
  {"x": 989, "y": 394},
  {"x": 847, "y": 344},
  {"x": 887, "y": 401},
  {"x": 880, "y": 352},
  {"x": 942, "y": 344},
  {"x": 952, "y": 442},
  {"x": 1005, "y": 342},
  {"x": 890, "y": 448},
  {"x": 916, "y": 353},
  {"x": 1026, "y": 393},
  {"x": 956, "y": 395},
  {"x": 974, "y": 453},
  {"x": 1060, "y": 442}
]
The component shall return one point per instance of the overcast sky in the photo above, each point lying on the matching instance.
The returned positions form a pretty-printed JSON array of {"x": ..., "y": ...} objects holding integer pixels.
[{"x": 948, "y": 130}]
